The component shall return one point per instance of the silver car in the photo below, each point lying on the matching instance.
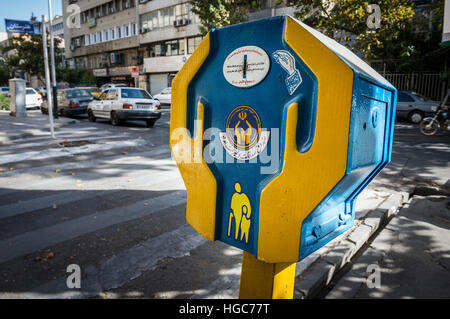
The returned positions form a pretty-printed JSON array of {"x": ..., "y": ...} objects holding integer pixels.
[{"x": 414, "y": 107}]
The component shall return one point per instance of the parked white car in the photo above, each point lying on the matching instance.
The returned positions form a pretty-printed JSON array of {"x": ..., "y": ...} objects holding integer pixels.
[
  {"x": 32, "y": 99},
  {"x": 111, "y": 85},
  {"x": 165, "y": 97},
  {"x": 123, "y": 103}
]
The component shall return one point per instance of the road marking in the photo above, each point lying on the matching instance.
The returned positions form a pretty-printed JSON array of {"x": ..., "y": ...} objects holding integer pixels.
[
  {"x": 46, "y": 237},
  {"x": 115, "y": 159},
  {"x": 63, "y": 152},
  {"x": 94, "y": 179},
  {"x": 127, "y": 265},
  {"x": 70, "y": 196},
  {"x": 69, "y": 138}
]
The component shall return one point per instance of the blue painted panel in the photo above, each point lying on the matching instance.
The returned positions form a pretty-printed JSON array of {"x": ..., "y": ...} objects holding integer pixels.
[
  {"x": 269, "y": 99},
  {"x": 370, "y": 142}
]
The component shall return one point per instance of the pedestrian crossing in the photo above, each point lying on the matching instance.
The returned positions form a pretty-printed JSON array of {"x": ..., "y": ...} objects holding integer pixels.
[
  {"x": 115, "y": 207},
  {"x": 118, "y": 178}
]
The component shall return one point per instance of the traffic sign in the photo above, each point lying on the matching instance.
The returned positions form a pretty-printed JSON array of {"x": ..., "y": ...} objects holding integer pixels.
[{"x": 134, "y": 71}]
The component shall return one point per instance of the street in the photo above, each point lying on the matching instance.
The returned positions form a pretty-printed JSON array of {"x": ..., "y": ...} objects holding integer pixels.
[{"x": 110, "y": 200}]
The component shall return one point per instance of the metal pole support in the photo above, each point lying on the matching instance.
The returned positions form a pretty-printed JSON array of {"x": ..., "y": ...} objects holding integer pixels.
[
  {"x": 261, "y": 280},
  {"x": 55, "y": 102}
]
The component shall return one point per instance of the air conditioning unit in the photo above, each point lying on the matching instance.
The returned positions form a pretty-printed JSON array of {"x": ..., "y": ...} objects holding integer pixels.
[
  {"x": 77, "y": 43},
  {"x": 112, "y": 10},
  {"x": 144, "y": 30},
  {"x": 176, "y": 23},
  {"x": 143, "y": 1}
]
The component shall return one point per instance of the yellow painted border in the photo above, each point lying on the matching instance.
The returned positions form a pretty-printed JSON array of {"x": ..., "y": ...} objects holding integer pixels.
[
  {"x": 200, "y": 183},
  {"x": 307, "y": 178}
]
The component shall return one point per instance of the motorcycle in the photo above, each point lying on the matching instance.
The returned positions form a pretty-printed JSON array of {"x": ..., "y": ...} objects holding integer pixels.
[{"x": 430, "y": 125}]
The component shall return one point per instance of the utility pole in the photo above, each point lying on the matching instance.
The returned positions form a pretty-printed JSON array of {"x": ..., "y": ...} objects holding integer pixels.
[
  {"x": 47, "y": 77},
  {"x": 52, "y": 55}
]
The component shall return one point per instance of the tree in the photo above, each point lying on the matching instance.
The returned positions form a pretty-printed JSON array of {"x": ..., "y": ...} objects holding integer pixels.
[
  {"x": 77, "y": 77},
  {"x": 25, "y": 53},
  {"x": 354, "y": 22},
  {"x": 220, "y": 13},
  {"x": 418, "y": 45}
]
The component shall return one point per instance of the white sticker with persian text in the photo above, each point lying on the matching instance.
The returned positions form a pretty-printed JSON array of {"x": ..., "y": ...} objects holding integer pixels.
[{"x": 246, "y": 66}]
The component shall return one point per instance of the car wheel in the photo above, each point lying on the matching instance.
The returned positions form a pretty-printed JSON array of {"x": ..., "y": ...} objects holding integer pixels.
[
  {"x": 43, "y": 111},
  {"x": 150, "y": 123},
  {"x": 115, "y": 121},
  {"x": 91, "y": 116},
  {"x": 415, "y": 117}
]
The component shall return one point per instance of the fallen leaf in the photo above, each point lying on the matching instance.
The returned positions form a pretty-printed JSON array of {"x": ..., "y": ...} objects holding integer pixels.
[
  {"x": 73, "y": 174},
  {"x": 145, "y": 204},
  {"x": 54, "y": 206},
  {"x": 50, "y": 255},
  {"x": 11, "y": 168},
  {"x": 58, "y": 171},
  {"x": 125, "y": 153}
]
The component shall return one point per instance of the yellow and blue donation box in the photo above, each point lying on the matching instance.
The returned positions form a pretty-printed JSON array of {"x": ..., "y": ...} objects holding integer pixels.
[{"x": 276, "y": 129}]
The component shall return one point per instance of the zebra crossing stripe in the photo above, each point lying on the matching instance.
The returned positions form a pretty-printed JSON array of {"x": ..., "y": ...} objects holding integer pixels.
[{"x": 45, "y": 237}]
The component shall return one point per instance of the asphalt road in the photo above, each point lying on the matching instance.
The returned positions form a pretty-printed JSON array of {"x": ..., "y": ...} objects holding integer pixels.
[{"x": 112, "y": 202}]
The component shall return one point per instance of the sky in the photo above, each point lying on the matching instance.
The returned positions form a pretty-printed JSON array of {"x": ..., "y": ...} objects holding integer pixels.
[{"x": 22, "y": 9}]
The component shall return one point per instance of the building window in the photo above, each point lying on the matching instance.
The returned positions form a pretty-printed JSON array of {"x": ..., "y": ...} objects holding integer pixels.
[
  {"x": 167, "y": 48},
  {"x": 118, "y": 33},
  {"x": 193, "y": 43},
  {"x": 87, "y": 39},
  {"x": 132, "y": 29},
  {"x": 166, "y": 17},
  {"x": 99, "y": 37},
  {"x": 111, "y": 34},
  {"x": 125, "y": 30}
]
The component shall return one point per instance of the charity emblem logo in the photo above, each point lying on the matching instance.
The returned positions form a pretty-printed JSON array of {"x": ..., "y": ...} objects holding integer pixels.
[{"x": 244, "y": 138}]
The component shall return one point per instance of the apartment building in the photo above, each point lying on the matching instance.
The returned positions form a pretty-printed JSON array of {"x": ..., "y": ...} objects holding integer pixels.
[
  {"x": 106, "y": 42},
  {"x": 169, "y": 34},
  {"x": 57, "y": 26},
  {"x": 157, "y": 36}
]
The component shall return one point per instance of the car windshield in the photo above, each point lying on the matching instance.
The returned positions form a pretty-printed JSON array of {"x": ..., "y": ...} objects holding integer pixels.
[
  {"x": 166, "y": 91},
  {"x": 420, "y": 97},
  {"x": 30, "y": 91},
  {"x": 71, "y": 94},
  {"x": 135, "y": 94}
]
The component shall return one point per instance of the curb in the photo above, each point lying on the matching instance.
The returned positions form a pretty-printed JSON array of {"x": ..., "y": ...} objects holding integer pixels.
[{"x": 319, "y": 274}]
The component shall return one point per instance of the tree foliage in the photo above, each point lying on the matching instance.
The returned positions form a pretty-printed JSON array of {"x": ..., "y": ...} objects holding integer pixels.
[
  {"x": 220, "y": 13},
  {"x": 24, "y": 53},
  {"x": 351, "y": 22}
]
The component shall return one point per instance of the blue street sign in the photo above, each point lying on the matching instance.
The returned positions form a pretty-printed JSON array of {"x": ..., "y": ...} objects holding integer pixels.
[{"x": 26, "y": 27}]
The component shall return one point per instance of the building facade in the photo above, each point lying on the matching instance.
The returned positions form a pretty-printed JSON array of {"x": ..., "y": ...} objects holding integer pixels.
[
  {"x": 169, "y": 34},
  {"x": 106, "y": 40},
  {"x": 157, "y": 36}
]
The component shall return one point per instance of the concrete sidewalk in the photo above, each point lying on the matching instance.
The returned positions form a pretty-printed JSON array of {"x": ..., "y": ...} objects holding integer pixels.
[{"x": 412, "y": 253}]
